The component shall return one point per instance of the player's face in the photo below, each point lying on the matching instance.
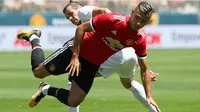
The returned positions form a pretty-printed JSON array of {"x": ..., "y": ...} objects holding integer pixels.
[
  {"x": 71, "y": 14},
  {"x": 138, "y": 19}
]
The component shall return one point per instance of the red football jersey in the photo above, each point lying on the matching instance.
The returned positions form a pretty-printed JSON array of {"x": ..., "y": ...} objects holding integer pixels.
[{"x": 111, "y": 34}]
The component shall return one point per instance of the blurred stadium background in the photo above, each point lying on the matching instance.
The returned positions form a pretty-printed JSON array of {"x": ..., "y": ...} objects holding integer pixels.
[{"x": 173, "y": 47}]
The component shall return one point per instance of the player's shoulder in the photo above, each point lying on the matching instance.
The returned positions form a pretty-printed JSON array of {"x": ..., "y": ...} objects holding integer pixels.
[
  {"x": 141, "y": 37},
  {"x": 114, "y": 15},
  {"x": 141, "y": 33},
  {"x": 118, "y": 16},
  {"x": 137, "y": 34},
  {"x": 86, "y": 9}
]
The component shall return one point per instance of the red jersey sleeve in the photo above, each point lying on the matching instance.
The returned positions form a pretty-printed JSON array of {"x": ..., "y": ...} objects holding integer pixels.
[
  {"x": 108, "y": 21},
  {"x": 140, "y": 47}
]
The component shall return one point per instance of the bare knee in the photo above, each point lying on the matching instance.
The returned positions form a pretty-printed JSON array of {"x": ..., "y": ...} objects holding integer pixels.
[
  {"x": 38, "y": 75},
  {"x": 74, "y": 102},
  {"x": 126, "y": 82},
  {"x": 41, "y": 72}
]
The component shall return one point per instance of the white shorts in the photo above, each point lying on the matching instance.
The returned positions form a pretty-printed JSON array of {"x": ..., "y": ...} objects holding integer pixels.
[{"x": 123, "y": 63}]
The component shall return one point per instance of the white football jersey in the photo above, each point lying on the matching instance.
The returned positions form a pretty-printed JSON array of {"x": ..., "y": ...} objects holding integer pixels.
[{"x": 85, "y": 13}]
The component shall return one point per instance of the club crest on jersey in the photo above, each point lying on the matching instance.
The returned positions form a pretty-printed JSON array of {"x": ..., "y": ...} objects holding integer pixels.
[
  {"x": 113, "y": 43},
  {"x": 52, "y": 68},
  {"x": 129, "y": 42}
]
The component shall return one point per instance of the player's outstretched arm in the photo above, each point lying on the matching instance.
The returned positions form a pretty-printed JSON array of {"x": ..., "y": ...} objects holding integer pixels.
[
  {"x": 145, "y": 76},
  {"x": 80, "y": 31},
  {"x": 146, "y": 79},
  {"x": 74, "y": 66}
]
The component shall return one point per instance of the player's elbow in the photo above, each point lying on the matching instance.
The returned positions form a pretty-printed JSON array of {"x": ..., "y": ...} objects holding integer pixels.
[
  {"x": 101, "y": 11},
  {"x": 106, "y": 10}
]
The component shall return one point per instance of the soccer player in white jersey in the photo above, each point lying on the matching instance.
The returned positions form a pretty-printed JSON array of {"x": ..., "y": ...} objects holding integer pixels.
[{"x": 122, "y": 62}]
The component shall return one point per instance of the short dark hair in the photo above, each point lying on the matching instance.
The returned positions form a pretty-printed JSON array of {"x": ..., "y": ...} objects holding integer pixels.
[
  {"x": 73, "y": 4},
  {"x": 145, "y": 7}
]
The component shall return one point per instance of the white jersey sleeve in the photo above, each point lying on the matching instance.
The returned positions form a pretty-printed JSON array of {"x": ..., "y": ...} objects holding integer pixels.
[{"x": 85, "y": 13}]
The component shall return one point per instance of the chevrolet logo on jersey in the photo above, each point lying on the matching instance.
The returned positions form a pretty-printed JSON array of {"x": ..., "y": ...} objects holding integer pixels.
[{"x": 113, "y": 43}]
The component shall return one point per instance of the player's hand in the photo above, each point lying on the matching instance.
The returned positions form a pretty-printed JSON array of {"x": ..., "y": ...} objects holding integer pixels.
[
  {"x": 74, "y": 66},
  {"x": 153, "y": 75},
  {"x": 151, "y": 101}
]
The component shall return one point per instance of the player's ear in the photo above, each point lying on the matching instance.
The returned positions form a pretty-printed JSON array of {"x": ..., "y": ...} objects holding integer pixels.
[{"x": 132, "y": 12}]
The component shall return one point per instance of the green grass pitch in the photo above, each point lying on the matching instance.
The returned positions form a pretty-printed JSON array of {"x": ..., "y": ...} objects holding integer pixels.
[{"x": 176, "y": 90}]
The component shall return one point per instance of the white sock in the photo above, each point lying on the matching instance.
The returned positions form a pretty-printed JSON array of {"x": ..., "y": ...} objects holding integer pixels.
[
  {"x": 72, "y": 109},
  {"x": 138, "y": 91},
  {"x": 33, "y": 37},
  {"x": 45, "y": 89}
]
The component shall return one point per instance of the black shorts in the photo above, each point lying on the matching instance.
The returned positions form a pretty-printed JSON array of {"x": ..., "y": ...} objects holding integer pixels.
[{"x": 58, "y": 61}]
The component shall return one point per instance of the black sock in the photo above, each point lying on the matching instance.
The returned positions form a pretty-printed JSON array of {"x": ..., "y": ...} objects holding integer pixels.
[
  {"x": 35, "y": 43},
  {"x": 60, "y": 93},
  {"x": 37, "y": 54}
]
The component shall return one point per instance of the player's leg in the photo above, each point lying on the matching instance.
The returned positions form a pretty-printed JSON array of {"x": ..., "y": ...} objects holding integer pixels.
[
  {"x": 138, "y": 91},
  {"x": 126, "y": 73},
  {"x": 110, "y": 66},
  {"x": 72, "y": 109},
  {"x": 83, "y": 82},
  {"x": 71, "y": 98},
  {"x": 55, "y": 64},
  {"x": 76, "y": 109},
  {"x": 37, "y": 54},
  {"x": 80, "y": 84}
]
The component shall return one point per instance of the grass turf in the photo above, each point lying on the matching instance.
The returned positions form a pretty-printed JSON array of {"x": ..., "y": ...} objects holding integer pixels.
[{"x": 176, "y": 90}]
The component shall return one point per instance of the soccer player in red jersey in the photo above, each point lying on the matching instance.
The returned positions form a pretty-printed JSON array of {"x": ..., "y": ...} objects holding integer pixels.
[
  {"x": 122, "y": 62},
  {"x": 113, "y": 32}
]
